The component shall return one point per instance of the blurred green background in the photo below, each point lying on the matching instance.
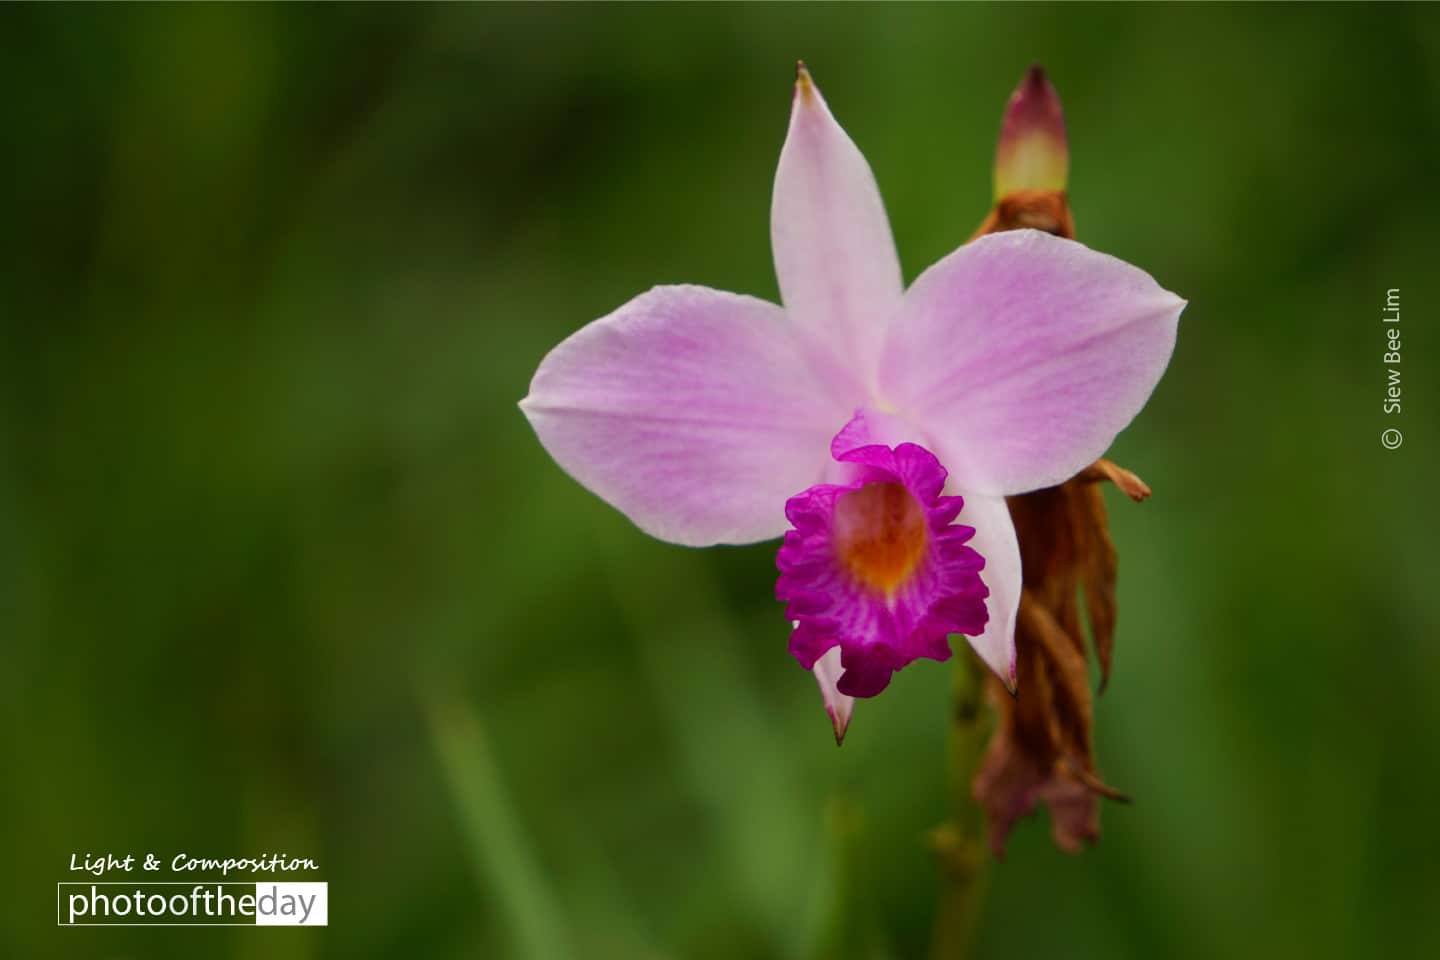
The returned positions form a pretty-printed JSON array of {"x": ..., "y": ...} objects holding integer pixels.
[{"x": 282, "y": 568}]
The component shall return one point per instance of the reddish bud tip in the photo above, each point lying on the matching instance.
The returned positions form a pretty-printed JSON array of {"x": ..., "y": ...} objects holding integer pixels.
[{"x": 1033, "y": 153}]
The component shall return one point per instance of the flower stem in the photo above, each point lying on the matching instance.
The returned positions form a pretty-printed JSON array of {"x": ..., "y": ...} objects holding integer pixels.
[{"x": 960, "y": 843}]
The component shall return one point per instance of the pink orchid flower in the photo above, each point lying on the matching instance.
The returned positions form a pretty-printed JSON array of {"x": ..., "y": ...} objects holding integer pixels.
[{"x": 862, "y": 420}]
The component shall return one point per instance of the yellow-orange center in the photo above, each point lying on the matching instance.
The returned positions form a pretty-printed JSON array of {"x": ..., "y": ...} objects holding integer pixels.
[{"x": 880, "y": 535}]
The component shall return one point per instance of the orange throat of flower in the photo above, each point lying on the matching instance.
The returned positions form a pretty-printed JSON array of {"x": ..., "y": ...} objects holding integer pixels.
[{"x": 880, "y": 535}]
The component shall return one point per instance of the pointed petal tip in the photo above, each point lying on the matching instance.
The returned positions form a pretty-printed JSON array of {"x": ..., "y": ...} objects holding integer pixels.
[
  {"x": 804, "y": 83},
  {"x": 840, "y": 706},
  {"x": 1033, "y": 152},
  {"x": 1007, "y": 675}
]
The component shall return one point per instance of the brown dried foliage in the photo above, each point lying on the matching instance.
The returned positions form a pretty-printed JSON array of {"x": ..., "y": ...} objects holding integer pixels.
[{"x": 1042, "y": 748}]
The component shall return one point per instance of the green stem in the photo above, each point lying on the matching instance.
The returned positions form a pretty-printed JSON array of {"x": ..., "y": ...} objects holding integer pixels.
[{"x": 960, "y": 843}]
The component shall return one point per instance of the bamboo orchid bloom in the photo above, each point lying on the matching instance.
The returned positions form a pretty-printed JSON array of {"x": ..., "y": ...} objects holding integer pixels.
[{"x": 879, "y": 429}]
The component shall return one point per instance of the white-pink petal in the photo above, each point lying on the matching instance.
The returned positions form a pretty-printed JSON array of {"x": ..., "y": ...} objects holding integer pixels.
[
  {"x": 1024, "y": 355},
  {"x": 835, "y": 257},
  {"x": 692, "y": 411},
  {"x": 840, "y": 706},
  {"x": 995, "y": 541}
]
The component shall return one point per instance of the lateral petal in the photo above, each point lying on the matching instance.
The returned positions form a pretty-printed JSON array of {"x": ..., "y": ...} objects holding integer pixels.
[
  {"x": 1024, "y": 355},
  {"x": 692, "y": 411}
]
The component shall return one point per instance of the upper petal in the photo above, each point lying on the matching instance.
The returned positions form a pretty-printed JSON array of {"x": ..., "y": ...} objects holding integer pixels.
[
  {"x": 1024, "y": 355},
  {"x": 691, "y": 410},
  {"x": 834, "y": 255}
]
